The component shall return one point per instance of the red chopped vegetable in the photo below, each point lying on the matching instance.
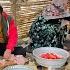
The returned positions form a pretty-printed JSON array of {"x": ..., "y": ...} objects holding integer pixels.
[{"x": 51, "y": 56}]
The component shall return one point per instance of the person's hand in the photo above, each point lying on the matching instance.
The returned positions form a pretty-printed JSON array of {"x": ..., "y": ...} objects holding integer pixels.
[{"x": 7, "y": 54}]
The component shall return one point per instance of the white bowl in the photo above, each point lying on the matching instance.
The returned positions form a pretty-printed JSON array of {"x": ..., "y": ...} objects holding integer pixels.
[
  {"x": 54, "y": 63},
  {"x": 18, "y": 67}
]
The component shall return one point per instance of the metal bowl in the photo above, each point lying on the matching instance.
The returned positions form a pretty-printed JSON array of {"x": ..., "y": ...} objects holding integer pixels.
[{"x": 18, "y": 67}]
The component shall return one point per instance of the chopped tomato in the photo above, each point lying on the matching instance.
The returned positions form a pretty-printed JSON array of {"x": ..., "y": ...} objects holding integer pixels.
[
  {"x": 58, "y": 56},
  {"x": 51, "y": 56},
  {"x": 45, "y": 56}
]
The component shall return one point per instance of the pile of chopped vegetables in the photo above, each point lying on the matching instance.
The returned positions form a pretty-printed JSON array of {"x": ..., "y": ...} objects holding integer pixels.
[{"x": 51, "y": 56}]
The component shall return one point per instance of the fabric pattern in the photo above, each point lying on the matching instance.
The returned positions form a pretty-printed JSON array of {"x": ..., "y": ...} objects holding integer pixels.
[
  {"x": 46, "y": 33},
  {"x": 47, "y": 29}
]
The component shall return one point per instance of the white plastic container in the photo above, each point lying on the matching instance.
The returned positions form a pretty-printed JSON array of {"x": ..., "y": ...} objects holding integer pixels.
[{"x": 50, "y": 63}]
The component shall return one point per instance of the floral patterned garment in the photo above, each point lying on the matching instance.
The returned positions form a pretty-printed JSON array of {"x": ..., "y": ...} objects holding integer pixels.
[
  {"x": 46, "y": 33},
  {"x": 47, "y": 29}
]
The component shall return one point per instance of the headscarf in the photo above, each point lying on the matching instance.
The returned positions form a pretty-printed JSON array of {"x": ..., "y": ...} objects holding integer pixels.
[
  {"x": 60, "y": 3},
  {"x": 57, "y": 9}
]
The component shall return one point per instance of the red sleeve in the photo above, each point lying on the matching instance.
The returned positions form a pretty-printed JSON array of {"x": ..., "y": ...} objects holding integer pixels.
[{"x": 12, "y": 36}]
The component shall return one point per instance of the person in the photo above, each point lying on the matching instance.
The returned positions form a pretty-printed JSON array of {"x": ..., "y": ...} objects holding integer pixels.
[
  {"x": 8, "y": 34},
  {"x": 47, "y": 30}
]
